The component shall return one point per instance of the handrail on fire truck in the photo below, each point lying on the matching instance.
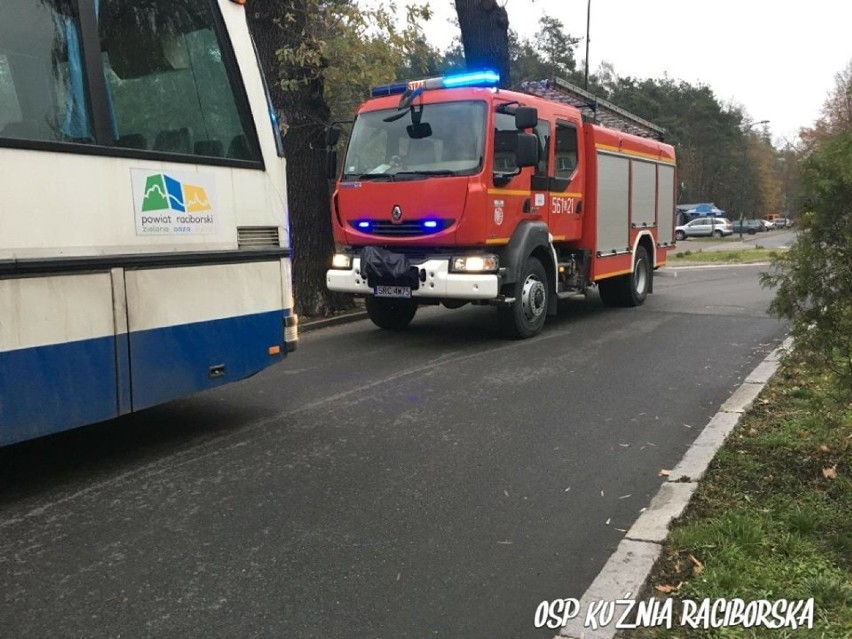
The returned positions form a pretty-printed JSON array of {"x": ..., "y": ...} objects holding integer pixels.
[{"x": 599, "y": 110}]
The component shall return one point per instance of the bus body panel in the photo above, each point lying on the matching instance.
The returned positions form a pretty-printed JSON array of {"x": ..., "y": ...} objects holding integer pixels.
[
  {"x": 197, "y": 327},
  {"x": 99, "y": 315},
  {"x": 57, "y": 344}
]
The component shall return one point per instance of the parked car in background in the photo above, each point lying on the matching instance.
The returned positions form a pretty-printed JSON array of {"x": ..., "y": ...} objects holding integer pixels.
[
  {"x": 782, "y": 223},
  {"x": 768, "y": 225},
  {"x": 748, "y": 226},
  {"x": 705, "y": 227}
]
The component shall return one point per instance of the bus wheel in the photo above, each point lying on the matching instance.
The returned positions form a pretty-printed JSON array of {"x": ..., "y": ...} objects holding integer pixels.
[
  {"x": 389, "y": 313},
  {"x": 632, "y": 289},
  {"x": 525, "y": 317}
]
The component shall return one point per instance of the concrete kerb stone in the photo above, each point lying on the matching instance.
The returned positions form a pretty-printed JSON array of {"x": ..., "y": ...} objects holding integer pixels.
[
  {"x": 346, "y": 318},
  {"x": 743, "y": 398},
  {"x": 763, "y": 373},
  {"x": 694, "y": 463},
  {"x": 626, "y": 572},
  {"x": 666, "y": 506}
]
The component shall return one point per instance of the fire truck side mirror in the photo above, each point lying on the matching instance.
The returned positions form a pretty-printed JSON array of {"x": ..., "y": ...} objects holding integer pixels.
[
  {"x": 527, "y": 152},
  {"x": 332, "y": 135},
  {"x": 526, "y": 118}
]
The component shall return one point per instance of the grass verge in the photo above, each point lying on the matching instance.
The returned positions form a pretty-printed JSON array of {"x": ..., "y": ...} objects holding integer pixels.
[
  {"x": 741, "y": 256},
  {"x": 772, "y": 519}
]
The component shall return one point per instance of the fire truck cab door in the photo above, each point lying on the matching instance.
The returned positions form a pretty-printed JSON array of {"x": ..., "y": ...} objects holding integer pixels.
[{"x": 564, "y": 182}]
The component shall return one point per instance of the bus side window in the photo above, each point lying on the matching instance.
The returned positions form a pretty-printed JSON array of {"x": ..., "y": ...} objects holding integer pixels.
[
  {"x": 566, "y": 149},
  {"x": 42, "y": 88},
  {"x": 168, "y": 80}
]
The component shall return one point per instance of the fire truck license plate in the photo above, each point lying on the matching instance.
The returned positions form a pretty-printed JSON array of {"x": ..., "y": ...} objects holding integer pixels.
[{"x": 393, "y": 291}]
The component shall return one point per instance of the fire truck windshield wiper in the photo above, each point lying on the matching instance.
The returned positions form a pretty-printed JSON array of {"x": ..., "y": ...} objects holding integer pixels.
[
  {"x": 432, "y": 173},
  {"x": 369, "y": 176}
]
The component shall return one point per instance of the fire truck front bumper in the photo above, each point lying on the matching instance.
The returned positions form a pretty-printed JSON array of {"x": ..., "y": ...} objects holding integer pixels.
[{"x": 436, "y": 282}]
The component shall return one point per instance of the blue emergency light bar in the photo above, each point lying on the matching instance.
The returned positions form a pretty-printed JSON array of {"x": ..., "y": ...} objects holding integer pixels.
[{"x": 486, "y": 78}]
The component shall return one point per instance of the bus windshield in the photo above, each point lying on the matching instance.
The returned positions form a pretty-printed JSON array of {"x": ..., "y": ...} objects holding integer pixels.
[{"x": 449, "y": 140}]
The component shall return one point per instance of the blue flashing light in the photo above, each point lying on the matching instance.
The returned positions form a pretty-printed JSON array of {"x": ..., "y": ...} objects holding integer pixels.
[
  {"x": 364, "y": 225},
  {"x": 430, "y": 224},
  {"x": 388, "y": 89},
  {"x": 473, "y": 79}
]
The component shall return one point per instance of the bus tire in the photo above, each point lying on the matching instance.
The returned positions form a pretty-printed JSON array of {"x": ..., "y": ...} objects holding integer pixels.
[
  {"x": 525, "y": 317},
  {"x": 632, "y": 289},
  {"x": 389, "y": 313}
]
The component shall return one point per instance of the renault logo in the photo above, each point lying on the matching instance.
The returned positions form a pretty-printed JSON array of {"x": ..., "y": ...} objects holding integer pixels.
[{"x": 396, "y": 214}]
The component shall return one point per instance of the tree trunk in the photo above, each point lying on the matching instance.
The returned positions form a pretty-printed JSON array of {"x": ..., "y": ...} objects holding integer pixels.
[
  {"x": 305, "y": 115},
  {"x": 485, "y": 36}
]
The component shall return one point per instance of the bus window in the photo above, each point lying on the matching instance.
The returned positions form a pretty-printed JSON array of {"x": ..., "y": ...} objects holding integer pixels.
[
  {"x": 169, "y": 88},
  {"x": 42, "y": 88}
]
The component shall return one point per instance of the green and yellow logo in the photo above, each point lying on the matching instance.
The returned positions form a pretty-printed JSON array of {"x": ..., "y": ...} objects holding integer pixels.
[{"x": 166, "y": 193}]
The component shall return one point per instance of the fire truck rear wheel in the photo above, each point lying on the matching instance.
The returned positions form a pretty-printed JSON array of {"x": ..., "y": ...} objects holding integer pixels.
[
  {"x": 391, "y": 314},
  {"x": 526, "y": 316},
  {"x": 631, "y": 289}
]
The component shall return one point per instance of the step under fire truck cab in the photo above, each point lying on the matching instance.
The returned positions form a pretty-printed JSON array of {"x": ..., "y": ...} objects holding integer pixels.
[{"x": 453, "y": 191}]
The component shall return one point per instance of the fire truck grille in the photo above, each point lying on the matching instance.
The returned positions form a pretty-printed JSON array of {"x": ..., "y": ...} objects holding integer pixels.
[{"x": 411, "y": 228}]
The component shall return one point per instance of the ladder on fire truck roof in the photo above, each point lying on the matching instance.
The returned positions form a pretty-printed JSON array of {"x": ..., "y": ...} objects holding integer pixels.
[{"x": 597, "y": 109}]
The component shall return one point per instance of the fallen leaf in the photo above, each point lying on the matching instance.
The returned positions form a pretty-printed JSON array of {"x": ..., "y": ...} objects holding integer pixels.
[
  {"x": 698, "y": 567},
  {"x": 506, "y": 492},
  {"x": 824, "y": 449},
  {"x": 665, "y": 473},
  {"x": 666, "y": 589},
  {"x": 398, "y": 576},
  {"x": 830, "y": 473}
]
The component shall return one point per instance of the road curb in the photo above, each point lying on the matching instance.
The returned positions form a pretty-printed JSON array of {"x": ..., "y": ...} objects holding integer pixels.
[
  {"x": 337, "y": 320},
  {"x": 626, "y": 572}
]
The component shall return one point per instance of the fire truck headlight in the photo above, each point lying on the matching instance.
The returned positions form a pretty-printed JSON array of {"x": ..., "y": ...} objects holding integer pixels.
[
  {"x": 475, "y": 264},
  {"x": 342, "y": 261}
]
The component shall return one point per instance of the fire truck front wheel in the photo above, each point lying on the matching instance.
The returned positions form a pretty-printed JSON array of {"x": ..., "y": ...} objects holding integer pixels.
[
  {"x": 525, "y": 317},
  {"x": 389, "y": 313}
]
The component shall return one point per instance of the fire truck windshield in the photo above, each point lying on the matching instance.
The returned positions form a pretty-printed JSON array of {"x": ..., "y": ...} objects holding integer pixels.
[{"x": 385, "y": 150}]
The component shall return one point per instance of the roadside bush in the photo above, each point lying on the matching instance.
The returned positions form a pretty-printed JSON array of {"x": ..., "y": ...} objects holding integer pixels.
[{"x": 814, "y": 278}]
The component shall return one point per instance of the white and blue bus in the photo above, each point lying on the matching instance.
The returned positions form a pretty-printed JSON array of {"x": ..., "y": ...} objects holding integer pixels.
[{"x": 144, "y": 241}]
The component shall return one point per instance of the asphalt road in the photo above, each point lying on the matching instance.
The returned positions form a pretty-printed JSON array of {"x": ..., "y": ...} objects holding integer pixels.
[{"x": 435, "y": 483}]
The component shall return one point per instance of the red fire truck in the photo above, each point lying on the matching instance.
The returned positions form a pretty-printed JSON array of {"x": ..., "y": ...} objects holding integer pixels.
[{"x": 453, "y": 191}]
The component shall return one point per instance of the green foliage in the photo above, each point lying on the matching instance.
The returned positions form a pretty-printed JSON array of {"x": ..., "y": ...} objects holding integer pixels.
[
  {"x": 351, "y": 48},
  {"x": 814, "y": 279},
  {"x": 549, "y": 54}
]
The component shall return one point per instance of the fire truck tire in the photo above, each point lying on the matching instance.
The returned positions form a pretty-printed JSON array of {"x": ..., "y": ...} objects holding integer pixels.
[
  {"x": 391, "y": 314},
  {"x": 629, "y": 290},
  {"x": 525, "y": 317}
]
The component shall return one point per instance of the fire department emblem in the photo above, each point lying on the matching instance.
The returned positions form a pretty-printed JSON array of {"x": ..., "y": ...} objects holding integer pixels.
[{"x": 396, "y": 214}]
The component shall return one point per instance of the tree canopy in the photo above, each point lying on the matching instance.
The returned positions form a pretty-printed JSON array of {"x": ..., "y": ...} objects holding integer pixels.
[{"x": 814, "y": 278}]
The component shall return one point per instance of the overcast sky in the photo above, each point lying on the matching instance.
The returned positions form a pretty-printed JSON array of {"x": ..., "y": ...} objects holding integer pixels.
[{"x": 776, "y": 59}]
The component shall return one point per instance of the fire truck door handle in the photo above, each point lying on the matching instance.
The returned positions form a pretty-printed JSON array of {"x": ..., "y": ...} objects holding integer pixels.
[
  {"x": 579, "y": 207},
  {"x": 527, "y": 205}
]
